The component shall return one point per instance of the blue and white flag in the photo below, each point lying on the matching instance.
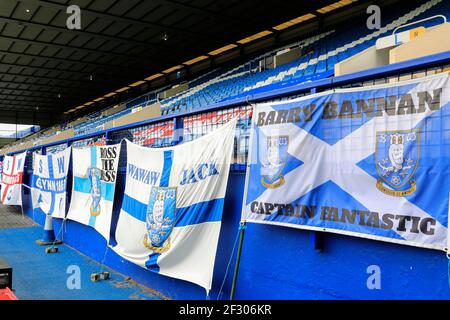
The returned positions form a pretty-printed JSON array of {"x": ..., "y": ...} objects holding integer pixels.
[
  {"x": 94, "y": 182},
  {"x": 172, "y": 207},
  {"x": 372, "y": 162},
  {"x": 49, "y": 182}
]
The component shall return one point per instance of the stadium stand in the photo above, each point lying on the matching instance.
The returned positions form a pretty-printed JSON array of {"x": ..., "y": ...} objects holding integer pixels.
[
  {"x": 189, "y": 107},
  {"x": 322, "y": 52}
]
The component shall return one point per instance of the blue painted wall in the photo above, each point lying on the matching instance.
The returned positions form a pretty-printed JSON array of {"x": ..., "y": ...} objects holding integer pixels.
[{"x": 280, "y": 263}]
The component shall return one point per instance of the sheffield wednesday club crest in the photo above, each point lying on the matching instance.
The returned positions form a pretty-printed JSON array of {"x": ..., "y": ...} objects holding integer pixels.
[
  {"x": 160, "y": 218},
  {"x": 96, "y": 195},
  {"x": 397, "y": 157},
  {"x": 273, "y": 159}
]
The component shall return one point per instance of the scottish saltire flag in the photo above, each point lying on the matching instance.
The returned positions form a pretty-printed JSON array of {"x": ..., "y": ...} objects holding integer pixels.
[
  {"x": 372, "y": 162},
  {"x": 172, "y": 207},
  {"x": 12, "y": 174},
  {"x": 94, "y": 182},
  {"x": 49, "y": 182}
]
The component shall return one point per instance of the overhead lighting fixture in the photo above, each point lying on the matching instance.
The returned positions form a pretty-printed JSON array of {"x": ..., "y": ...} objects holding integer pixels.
[
  {"x": 91, "y": 77},
  {"x": 195, "y": 60},
  {"x": 335, "y": 6},
  {"x": 157, "y": 75},
  {"x": 99, "y": 99},
  {"x": 223, "y": 49},
  {"x": 165, "y": 37},
  {"x": 27, "y": 10},
  {"x": 294, "y": 21},
  {"x": 255, "y": 37},
  {"x": 172, "y": 69},
  {"x": 80, "y": 107},
  {"x": 122, "y": 89},
  {"x": 88, "y": 103},
  {"x": 138, "y": 83}
]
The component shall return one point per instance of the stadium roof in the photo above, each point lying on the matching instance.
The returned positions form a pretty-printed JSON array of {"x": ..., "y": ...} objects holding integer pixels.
[{"x": 124, "y": 44}]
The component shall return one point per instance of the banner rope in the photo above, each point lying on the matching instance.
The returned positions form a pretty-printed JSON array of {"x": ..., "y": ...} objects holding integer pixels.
[{"x": 219, "y": 295}]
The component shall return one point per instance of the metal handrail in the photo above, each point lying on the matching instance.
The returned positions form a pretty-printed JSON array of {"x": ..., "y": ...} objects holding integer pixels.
[{"x": 422, "y": 20}]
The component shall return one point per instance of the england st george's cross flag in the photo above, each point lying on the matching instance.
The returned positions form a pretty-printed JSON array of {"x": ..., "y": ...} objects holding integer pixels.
[
  {"x": 13, "y": 167},
  {"x": 172, "y": 207},
  {"x": 94, "y": 182},
  {"x": 49, "y": 182},
  {"x": 371, "y": 162}
]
